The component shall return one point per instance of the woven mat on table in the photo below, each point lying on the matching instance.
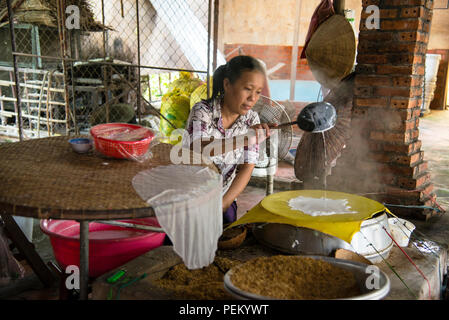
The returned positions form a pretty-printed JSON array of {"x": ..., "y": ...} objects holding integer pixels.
[{"x": 44, "y": 178}]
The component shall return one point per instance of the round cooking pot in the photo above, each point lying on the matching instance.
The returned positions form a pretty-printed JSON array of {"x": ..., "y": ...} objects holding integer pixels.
[
  {"x": 371, "y": 241},
  {"x": 359, "y": 270}
]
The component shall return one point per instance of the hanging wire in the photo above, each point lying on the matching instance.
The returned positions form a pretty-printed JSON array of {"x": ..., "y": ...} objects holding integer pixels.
[
  {"x": 423, "y": 242},
  {"x": 439, "y": 208},
  {"x": 390, "y": 266},
  {"x": 413, "y": 207},
  {"x": 403, "y": 225},
  {"x": 417, "y": 231},
  {"x": 410, "y": 259}
]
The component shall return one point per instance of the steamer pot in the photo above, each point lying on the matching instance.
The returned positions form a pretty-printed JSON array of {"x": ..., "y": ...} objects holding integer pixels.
[{"x": 299, "y": 240}]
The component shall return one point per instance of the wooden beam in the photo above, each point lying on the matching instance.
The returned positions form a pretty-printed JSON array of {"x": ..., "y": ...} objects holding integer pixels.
[{"x": 27, "y": 249}]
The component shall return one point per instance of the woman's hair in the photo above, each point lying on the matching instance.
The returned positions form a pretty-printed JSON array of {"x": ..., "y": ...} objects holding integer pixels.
[{"x": 232, "y": 70}]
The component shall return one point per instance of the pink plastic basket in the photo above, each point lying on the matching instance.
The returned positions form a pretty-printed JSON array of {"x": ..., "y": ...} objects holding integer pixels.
[{"x": 121, "y": 149}]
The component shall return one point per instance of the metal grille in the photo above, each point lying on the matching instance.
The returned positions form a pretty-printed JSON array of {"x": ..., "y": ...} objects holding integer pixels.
[
  {"x": 270, "y": 111},
  {"x": 117, "y": 65}
]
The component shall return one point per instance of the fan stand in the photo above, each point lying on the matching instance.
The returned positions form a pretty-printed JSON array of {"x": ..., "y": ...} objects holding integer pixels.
[
  {"x": 271, "y": 111},
  {"x": 270, "y": 176},
  {"x": 268, "y": 171}
]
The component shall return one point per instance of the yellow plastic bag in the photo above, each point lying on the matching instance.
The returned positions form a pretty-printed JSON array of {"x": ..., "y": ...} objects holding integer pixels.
[
  {"x": 176, "y": 108},
  {"x": 200, "y": 93}
]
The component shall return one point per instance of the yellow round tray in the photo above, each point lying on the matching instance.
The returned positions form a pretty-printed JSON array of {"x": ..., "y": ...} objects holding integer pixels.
[{"x": 277, "y": 203}]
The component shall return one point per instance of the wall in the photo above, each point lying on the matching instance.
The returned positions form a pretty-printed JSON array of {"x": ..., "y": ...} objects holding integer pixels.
[
  {"x": 265, "y": 28},
  {"x": 268, "y": 22},
  {"x": 439, "y": 35}
]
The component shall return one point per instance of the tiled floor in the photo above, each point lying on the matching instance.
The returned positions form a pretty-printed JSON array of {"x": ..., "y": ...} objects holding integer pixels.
[{"x": 434, "y": 133}]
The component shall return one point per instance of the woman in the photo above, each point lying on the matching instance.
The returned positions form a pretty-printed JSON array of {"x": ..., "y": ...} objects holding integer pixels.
[{"x": 224, "y": 119}]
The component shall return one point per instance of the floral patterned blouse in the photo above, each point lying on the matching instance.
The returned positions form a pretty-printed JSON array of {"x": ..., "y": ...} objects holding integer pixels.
[{"x": 205, "y": 118}]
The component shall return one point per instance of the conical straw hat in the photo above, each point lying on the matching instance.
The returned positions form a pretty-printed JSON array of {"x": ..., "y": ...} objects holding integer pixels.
[{"x": 331, "y": 51}]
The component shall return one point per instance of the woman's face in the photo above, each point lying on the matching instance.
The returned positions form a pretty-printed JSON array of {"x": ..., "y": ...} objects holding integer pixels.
[{"x": 243, "y": 94}]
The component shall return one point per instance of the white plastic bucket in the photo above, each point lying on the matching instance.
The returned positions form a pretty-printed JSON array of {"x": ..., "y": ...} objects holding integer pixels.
[
  {"x": 432, "y": 63},
  {"x": 401, "y": 230},
  {"x": 372, "y": 241}
]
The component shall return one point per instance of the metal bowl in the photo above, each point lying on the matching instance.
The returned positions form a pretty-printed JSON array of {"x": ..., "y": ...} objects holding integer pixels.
[
  {"x": 362, "y": 274},
  {"x": 299, "y": 240}
]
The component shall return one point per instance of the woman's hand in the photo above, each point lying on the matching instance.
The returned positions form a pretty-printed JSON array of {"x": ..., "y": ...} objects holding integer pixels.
[
  {"x": 238, "y": 184},
  {"x": 227, "y": 201}
]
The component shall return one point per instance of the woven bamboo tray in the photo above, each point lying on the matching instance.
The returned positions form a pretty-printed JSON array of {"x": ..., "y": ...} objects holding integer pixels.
[{"x": 44, "y": 178}]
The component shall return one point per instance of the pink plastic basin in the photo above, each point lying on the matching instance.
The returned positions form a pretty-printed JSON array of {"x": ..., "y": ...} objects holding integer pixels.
[{"x": 109, "y": 246}]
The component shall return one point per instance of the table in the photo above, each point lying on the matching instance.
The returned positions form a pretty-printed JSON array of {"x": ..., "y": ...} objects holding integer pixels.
[{"x": 44, "y": 178}]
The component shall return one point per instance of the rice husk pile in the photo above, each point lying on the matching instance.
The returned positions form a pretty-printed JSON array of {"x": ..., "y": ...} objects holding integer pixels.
[
  {"x": 293, "y": 277},
  {"x": 199, "y": 284}
]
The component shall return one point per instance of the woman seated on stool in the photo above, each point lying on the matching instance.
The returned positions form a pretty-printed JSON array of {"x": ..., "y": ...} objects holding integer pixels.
[{"x": 224, "y": 119}]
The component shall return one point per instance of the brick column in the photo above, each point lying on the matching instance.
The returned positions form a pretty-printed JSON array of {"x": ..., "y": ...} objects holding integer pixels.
[{"x": 383, "y": 159}]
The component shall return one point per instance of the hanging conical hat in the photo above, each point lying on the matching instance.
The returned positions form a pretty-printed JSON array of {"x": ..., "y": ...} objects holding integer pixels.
[{"x": 331, "y": 51}]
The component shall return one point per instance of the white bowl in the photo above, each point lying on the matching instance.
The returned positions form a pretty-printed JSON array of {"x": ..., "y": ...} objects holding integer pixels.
[
  {"x": 401, "y": 230},
  {"x": 81, "y": 145}
]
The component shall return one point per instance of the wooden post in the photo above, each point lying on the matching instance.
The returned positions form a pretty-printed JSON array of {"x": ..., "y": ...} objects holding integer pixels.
[
  {"x": 139, "y": 90},
  {"x": 216, "y": 16},
  {"x": 25, "y": 78},
  {"x": 149, "y": 88},
  {"x": 16, "y": 88},
  {"x": 64, "y": 56},
  {"x": 445, "y": 104},
  {"x": 339, "y": 7},
  {"x": 26, "y": 248},
  {"x": 209, "y": 20},
  {"x": 84, "y": 259},
  {"x": 295, "y": 50},
  {"x": 2, "y": 109},
  {"x": 106, "y": 72},
  {"x": 41, "y": 93}
]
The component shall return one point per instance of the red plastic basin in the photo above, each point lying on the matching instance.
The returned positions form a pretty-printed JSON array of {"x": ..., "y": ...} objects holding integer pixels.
[{"x": 109, "y": 246}]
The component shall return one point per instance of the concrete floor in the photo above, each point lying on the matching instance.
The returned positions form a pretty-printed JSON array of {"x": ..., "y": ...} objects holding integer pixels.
[{"x": 434, "y": 133}]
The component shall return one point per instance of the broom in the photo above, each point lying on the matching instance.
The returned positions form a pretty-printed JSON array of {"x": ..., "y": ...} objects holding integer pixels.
[{"x": 317, "y": 153}]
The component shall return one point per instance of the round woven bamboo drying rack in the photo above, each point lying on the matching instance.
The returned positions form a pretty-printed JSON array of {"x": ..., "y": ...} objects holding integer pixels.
[{"x": 44, "y": 178}]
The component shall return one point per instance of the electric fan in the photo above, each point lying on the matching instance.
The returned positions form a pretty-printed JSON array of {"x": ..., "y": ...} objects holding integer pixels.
[{"x": 278, "y": 144}]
